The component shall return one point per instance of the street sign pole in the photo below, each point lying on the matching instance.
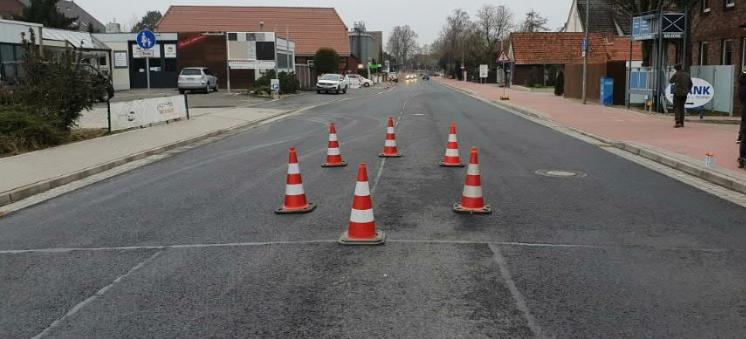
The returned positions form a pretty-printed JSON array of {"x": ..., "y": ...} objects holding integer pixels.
[
  {"x": 147, "y": 70},
  {"x": 146, "y": 40},
  {"x": 585, "y": 52}
]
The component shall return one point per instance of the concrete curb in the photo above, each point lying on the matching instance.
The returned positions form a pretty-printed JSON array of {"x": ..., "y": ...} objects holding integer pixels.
[
  {"x": 18, "y": 194},
  {"x": 701, "y": 172}
]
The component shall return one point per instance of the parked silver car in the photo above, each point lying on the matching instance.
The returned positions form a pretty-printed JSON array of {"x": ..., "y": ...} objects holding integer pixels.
[{"x": 197, "y": 78}]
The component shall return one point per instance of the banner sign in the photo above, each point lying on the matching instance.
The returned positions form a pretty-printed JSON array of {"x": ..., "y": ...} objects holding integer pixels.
[
  {"x": 701, "y": 94},
  {"x": 137, "y": 113}
]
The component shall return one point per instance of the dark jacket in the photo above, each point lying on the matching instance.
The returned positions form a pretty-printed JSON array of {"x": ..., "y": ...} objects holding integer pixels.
[
  {"x": 682, "y": 83},
  {"x": 742, "y": 89}
]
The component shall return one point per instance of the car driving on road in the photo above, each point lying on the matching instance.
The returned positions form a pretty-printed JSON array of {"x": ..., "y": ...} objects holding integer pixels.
[
  {"x": 197, "y": 78},
  {"x": 332, "y": 83}
]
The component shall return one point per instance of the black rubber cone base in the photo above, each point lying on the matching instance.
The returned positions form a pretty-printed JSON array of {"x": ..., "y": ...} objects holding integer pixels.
[
  {"x": 341, "y": 164},
  {"x": 380, "y": 238},
  {"x": 460, "y": 209},
  {"x": 384, "y": 155},
  {"x": 309, "y": 209},
  {"x": 443, "y": 164}
]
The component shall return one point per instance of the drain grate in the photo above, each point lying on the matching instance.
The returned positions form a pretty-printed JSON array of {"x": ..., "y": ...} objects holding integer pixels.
[{"x": 561, "y": 174}]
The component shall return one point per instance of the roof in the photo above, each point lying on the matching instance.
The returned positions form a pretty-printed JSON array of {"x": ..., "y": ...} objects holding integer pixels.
[
  {"x": 310, "y": 28},
  {"x": 75, "y": 39},
  {"x": 604, "y": 17},
  {"x": 559, "y": 48},
  {"x": 71, "y": 10}
]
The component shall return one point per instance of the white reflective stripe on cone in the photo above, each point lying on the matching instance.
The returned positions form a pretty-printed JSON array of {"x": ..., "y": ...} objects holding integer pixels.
[
  {"x": 333, "y": 151},
  {"x": 451, "y": 152},
  {"x": 294, "y": 189},
  {"x": 333, "y": 137},
  {"x": 359, "y": 216},
  {"x": 472, "y": 191},
  {"x": 293, "y": 169},
  {"x": 390, "y": 143},
  {"x": 473, "y": 169},
  {"x": 452, "y": 138},
  {"x": 390, "y": 130},
  {"x": 362, "y": 189}
]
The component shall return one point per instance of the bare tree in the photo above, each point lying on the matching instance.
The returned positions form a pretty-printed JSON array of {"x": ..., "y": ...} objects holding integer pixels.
[
  {"x": 402, "y": 44},
  {"x": 534, "y": 22},
  {"x": 493, "y": 25}
]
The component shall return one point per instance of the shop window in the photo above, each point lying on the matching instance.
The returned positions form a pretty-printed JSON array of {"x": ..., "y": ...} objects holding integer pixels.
[
  {"x": 172, "y": 65},
  {"x": 727, "y": 52},
  {"x": 743, "y": 54}
]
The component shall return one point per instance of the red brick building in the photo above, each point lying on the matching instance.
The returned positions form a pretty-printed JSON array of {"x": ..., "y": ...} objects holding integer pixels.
[
  {"x": 719, "y": 35},
  {"x": 310, "y": 28}
]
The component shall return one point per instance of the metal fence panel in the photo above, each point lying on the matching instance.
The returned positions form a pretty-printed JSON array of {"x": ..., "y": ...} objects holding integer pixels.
[{"x": 722, "y": 79}]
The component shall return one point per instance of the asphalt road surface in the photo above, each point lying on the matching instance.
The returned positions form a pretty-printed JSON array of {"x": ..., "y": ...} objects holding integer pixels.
[{"x": 190, "y": 246}]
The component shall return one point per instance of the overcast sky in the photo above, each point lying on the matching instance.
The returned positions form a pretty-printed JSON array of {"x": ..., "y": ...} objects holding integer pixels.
[{"x": 425, "y": 16}]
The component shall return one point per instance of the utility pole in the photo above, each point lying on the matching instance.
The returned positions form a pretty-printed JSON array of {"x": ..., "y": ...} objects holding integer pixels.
[{"x": 586, "y": 49}]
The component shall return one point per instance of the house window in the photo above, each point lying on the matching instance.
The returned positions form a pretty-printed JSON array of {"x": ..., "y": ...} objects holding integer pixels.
[
  {"x": 232, "y": 36},
  {"x": 703, "y": 53},
  {"x": 706, "y": 6},
  {"x": 730, "y": 3},
  {"x": 727, "y": 51}
]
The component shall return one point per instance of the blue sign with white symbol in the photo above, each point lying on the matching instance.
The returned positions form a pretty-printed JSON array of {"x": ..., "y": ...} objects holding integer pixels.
[{"x": 146, "y": 39}]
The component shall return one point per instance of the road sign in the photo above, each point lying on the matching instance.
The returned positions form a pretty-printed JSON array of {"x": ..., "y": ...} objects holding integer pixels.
[
  {"x": 275, "y": 85},
  {"x": 146, "y": 39},
  {"x": 503, "y": 57},
  {"x": 484, "y": 70}
]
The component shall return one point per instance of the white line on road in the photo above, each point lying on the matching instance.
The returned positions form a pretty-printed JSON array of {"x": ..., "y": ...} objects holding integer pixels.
[
  {"x": 520, "y": 300},
  {"x": 332, "y": 241},
  {"x": 95, "y": 296}
]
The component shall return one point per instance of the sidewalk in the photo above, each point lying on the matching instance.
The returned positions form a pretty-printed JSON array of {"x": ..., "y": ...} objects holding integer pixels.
[
  {"x": 655, "y": 133},
  {"x": 35, "y": 172}
]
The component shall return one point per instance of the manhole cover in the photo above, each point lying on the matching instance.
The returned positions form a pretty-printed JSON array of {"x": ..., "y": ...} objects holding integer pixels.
[{"x": 560, "y": 173}]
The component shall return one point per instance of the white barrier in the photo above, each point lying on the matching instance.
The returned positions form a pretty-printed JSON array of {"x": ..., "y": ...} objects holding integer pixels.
[{"x": 144, "y": 112}]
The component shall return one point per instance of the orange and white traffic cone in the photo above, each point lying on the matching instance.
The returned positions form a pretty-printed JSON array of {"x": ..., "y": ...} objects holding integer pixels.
[
  {"x": 295, "y": 196},
  {"x": 333, "y": 155},
  {"x": 362, "y": 227},
  {"x": 389, "y": 148},
  {"x": 452, "y": 158},
  {"x": 472, "y": 201}
]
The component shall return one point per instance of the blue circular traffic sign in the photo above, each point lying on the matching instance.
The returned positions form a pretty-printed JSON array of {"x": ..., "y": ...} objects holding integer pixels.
[{"x": 146, "y": 39}]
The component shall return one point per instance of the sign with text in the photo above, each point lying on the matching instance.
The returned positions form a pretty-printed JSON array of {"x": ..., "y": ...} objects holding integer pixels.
[
  {"x": 484, "y": 70},
  {"x": 674, "y": 25},
  {"x": 137, "y": 113},
  {"x": 643, "y": 27},
  {"x": 701, "y": 94}
]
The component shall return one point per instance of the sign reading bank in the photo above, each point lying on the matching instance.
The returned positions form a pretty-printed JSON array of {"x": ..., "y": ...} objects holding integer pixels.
[{"x": 701, "y": 94}]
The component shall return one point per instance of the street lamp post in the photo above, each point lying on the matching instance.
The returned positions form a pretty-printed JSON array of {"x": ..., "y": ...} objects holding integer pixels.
[{"x": 586, "y": 49}]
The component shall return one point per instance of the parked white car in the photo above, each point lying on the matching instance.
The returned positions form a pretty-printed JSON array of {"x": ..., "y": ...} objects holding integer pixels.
[
  {"x": 332, "y": 83},
  {"x": 357, "y": 80},
  {"x": 197, "y": 78}
]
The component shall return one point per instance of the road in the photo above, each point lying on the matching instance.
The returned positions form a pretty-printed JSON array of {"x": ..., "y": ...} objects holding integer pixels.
[{"x": 190, "y": 246}]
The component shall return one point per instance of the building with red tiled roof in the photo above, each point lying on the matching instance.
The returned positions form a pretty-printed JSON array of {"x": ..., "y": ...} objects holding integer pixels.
[
  {"x": 539, "y": 56},
  {"x": 310, "y": 28}
]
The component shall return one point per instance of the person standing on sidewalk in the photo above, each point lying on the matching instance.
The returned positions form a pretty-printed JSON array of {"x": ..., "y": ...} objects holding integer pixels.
[
  {"x": 681, "y": 84},
  {"x": 742, "y": 130}
]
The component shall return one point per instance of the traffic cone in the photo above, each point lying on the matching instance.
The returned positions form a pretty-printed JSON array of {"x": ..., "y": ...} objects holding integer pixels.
[
  {"x": 389, "y": 148},
  {"x": 333, "y": 155},
  {"x": 362, "y": 227},
  {"x": 472, "y": 201},
  {"x": 452, "y": 158},
  {"x": 295, "y": 196}
]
